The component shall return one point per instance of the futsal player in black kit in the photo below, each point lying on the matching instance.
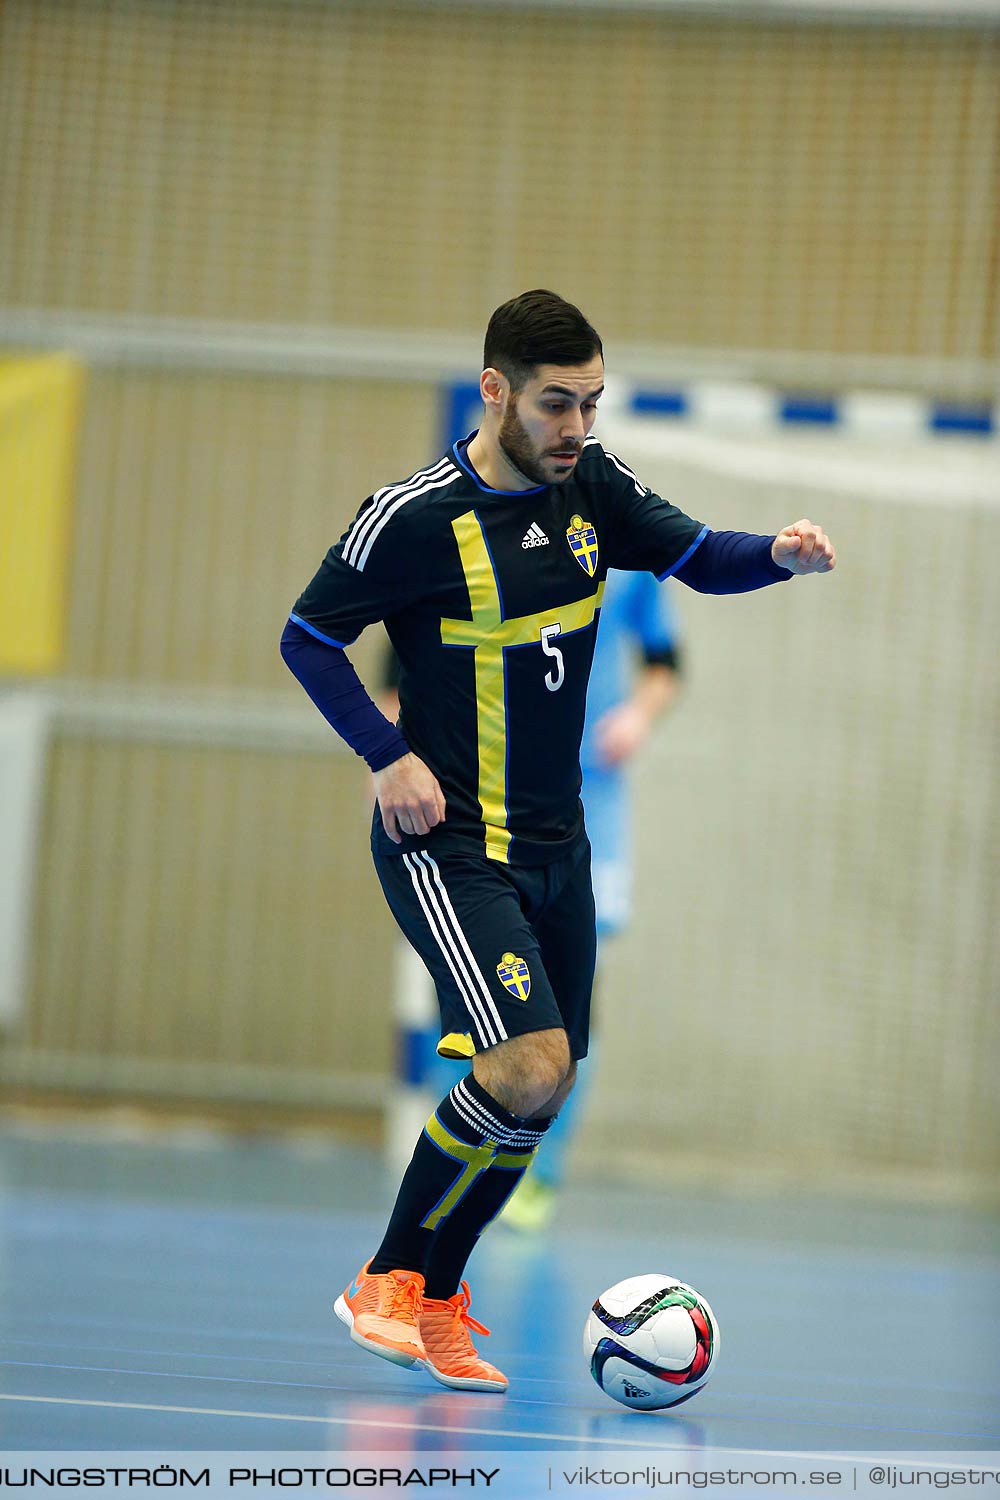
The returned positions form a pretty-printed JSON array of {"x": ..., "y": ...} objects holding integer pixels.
[{"x": 487, "y": 569}]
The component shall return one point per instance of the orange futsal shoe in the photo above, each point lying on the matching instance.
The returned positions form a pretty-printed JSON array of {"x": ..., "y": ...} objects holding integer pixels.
[
  {"x": 382, "y": 1313},
  {"x": 450, "y": 1357}
]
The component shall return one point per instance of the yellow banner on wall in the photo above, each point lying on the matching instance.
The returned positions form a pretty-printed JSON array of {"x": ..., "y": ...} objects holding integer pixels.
[{"x": 40, "y": 401}]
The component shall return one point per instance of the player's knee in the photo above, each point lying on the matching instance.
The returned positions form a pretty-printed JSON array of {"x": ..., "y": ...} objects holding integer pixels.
[
  {"x": 524, "y": 1073},
  {"x": 562, "y": 1093},
  {"x": 544, "y": 1078}
]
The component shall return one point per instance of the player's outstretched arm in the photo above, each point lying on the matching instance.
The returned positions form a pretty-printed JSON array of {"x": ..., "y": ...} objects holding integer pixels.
[
  {"x": 804, "y": 547},
  {"x": 409, "y": 796}
]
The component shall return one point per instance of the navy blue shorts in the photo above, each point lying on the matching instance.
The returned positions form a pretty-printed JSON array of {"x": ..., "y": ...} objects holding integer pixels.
[{"x": 510, "y": 950}]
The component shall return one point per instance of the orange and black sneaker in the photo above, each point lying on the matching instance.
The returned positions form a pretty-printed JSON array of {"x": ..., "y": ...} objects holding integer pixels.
[
  {"x": 382, "y": 1314},
  {"x": 450, "y": 1356}
]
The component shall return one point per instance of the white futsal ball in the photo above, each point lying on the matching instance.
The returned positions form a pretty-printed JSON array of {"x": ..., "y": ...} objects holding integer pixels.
[{"x": 651, "y": 1342}]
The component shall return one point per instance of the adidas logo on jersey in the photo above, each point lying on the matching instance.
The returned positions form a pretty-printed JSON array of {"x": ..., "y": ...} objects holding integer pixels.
[
  {"x": 534, "y": 537},
  {"x": 633, "y": 1392}
]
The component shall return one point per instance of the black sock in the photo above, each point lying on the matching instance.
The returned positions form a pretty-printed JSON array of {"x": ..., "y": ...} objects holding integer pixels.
[
  {"x": 464, "y": 1143},
  {"x": 456, "y": 1239}
]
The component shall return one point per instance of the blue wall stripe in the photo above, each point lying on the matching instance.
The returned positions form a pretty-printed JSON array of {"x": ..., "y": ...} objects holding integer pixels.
[
  {"x": 947, "y": 418},
  {"x": 808, "y": 409},
  {"x": 660, "y": 403},
  {"x": 461, "y": 408}
]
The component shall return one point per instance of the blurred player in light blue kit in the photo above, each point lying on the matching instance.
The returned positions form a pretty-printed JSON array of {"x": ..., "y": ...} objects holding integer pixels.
[{"x": 635, "y": 678}]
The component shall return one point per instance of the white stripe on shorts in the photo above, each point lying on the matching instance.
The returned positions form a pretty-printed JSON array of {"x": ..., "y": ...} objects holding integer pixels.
[
  {"x": 450, "y": 938},
  {"x": 483, "y": 986}
]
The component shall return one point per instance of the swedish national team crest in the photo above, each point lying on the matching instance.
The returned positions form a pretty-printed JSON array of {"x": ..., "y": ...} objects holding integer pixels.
[
  {"x": 582, "y": 540},
  {"x": 514, "y": 976}
]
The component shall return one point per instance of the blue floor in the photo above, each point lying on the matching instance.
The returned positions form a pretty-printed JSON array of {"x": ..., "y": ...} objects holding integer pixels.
[{"x": 162, "y": 1297}]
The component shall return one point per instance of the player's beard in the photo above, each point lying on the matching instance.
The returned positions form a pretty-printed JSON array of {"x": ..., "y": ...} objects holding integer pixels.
[{"x": 521, "y": 451}]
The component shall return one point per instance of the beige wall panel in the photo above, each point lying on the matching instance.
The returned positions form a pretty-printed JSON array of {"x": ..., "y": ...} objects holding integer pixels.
[
  {"x": 818, "y": 187},
  {"x": 210, "y": 906},
  {"x": 205, "y": 505}
]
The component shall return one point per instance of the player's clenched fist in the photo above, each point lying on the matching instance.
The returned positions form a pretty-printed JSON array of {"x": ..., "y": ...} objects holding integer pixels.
[
  {"x": 409, "y": 796},
  {"x": 804, "y": 547}
]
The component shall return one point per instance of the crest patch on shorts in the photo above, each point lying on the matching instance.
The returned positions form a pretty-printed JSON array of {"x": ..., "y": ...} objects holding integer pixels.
[{"x": 513, "y": 975}]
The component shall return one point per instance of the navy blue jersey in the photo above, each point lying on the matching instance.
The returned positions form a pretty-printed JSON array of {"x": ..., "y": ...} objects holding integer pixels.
[{"x": 491, "y": 600}]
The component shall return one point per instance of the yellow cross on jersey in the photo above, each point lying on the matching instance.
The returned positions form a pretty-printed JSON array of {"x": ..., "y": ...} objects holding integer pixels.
[{"x": 495, "y": 640}]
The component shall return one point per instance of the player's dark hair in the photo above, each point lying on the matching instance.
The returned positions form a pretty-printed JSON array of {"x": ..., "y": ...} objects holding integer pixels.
[{"x": 538, "y": 328}]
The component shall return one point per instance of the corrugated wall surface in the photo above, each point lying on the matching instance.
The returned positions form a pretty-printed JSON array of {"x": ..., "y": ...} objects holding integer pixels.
[
  {"x": 694, "y": 182},
  {"x": 207, "y": 501},
  {"x": 207, "y": 921},
  {"x": 206, "y": 918}
]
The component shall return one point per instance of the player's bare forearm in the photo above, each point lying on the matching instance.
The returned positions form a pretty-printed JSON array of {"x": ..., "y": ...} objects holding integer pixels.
[
  {"x": 655, "y": 690},
  {"x": 409, "y": 796},
  {"x": 804, "y": 547},
  {"x": 624, "y": 729}
]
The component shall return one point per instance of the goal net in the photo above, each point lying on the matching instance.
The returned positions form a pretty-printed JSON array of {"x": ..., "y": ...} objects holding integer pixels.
[{"x": 811, "y": 976}]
